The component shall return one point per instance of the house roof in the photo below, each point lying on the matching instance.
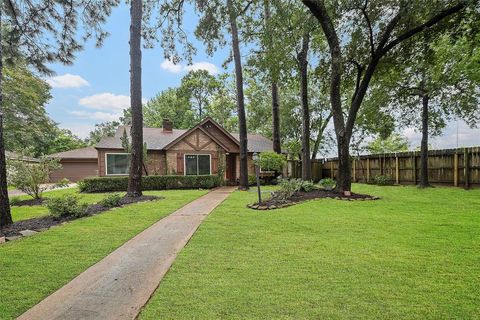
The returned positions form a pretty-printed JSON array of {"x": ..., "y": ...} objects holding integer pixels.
[
  {"x": 82, "y": 153},
  {"x": 156, "y": 139}
]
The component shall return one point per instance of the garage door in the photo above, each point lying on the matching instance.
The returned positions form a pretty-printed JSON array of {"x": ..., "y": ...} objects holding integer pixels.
[{"x": 75, "y": 171}]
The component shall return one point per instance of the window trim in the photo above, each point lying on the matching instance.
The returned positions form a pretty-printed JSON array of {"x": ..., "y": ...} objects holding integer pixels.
[
  {"x": 197, "y": 154},
  {"x": 106, "y": 164}
]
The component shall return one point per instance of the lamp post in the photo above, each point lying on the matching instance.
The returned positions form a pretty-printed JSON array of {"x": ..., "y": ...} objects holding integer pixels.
[{"x": 257, "y": 174}]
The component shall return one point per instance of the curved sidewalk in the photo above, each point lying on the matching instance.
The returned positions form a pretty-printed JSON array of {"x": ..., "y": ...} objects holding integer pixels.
[{"x": 119, "y": 285}]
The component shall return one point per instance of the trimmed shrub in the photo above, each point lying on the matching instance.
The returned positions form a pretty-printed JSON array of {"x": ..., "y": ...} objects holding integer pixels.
[
  {"x": 327, "y": 184},
  {"x": 66, "y": 206},
  {"x": 308, "y": 186},
  {"x": 287, "y": 188},
  {"x": 111, "y": 200},
  {"x": 382, "y": 180},
  {"x": 106, "y": 184}
]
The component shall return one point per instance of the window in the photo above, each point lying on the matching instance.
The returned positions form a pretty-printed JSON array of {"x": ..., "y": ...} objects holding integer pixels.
[
  {"x": 197, "y": 165},
  {"x": 117, "y": 163}
]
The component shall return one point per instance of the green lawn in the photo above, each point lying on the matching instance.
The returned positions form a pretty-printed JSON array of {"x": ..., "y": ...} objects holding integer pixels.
[
  {"x": 28, "y": 212},
  {"x": 414, "y": 254},
  {"x": 32, "y": 268}
]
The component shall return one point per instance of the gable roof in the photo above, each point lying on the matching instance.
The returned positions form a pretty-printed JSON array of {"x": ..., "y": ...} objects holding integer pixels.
[
  {"x": 199, "y": 126},
  {"x": 82, "y": 153},
  {"x": 157, "y": 139}
]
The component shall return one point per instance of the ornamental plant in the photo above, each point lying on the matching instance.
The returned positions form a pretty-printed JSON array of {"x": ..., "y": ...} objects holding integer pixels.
[{"x": 31, "y": 177}]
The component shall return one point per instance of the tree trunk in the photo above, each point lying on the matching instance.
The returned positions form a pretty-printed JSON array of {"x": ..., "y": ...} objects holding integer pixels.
[
  {"x": 242, "y": 123},
  {"x": 303, "y": 68},
  {"x": 424, "y": 183},
  {"x": 276, "y": 119},
  {"x": 275, "y": 98},
  {"x": 136, "y": 131},
  {"x": 344, "y": 180},
  {"x": 5, "y": 215}
]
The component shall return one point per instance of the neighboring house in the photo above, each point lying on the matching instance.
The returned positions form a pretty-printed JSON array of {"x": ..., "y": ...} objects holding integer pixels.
[
  {"x": 76, "y": 164},
  {"x": 202, "y": 150}
]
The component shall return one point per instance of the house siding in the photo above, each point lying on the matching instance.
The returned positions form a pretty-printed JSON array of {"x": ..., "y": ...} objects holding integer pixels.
[
  {"x": 155, "y": 161},
  {"x": 197, "y": 142}
]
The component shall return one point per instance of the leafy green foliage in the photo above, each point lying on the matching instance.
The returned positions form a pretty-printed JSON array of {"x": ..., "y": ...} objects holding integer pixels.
[
  {"x": 393, "y": 143},
  {"x": 382, "y": 180},
  {"x": 327, "y": 183},
  {"x": 111, "y": 200},
  {"x": 105, "y": 184},
  {"x": 271, "y": 161},
  {"x": 30, "y": 177},
  {"x": 66, "y": 206},
  {"x": 26, "y": 122},
  {"x": 288, "y": 187},
  {"x": 104, "y": 129}
]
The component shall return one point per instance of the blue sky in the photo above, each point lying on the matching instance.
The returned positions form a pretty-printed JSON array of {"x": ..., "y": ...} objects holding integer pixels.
[{"x": 96, "y": 87}]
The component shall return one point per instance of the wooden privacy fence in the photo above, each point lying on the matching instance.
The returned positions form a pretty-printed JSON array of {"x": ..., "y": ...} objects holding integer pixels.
[{"x": 455, "y": 167}]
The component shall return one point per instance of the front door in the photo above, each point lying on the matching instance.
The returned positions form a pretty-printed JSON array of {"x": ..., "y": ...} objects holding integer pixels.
[{"x": 230, "y": 167}]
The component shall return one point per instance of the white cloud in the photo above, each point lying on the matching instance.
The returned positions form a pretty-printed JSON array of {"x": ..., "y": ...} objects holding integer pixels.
[
  {"x": 97, "y": 116},
  {"x": 171, "y": 67},
  {"x": 106, "y": 101},
  {"x": 81, "y": 130},
  {"x": 67, "y": 81},
  {"x": 210, "y": 67}
]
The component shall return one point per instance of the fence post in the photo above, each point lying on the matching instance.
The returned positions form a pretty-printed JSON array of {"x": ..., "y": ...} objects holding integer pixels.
[
  {"x": 354, "y": 171},
  {"x": 368, "y": 169},
  {"x": 414, "y": 168},
  {"x": 455, "y": 169},
  {"x": 466, "y": 168},
  {"x": 397, "y": 171}
]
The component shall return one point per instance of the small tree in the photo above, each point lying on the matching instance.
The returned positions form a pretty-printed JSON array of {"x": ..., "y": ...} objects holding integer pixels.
[
  {"x": 31, "y": 177},
  {"x": 271, "y": 161}
]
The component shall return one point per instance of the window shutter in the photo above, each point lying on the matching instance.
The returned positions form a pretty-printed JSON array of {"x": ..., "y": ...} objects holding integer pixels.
[
  {"x": 214, "y": 163},
  {"x": 180, "y": 163}
]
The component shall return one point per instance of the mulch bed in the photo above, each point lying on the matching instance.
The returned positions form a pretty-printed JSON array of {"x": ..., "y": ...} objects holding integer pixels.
[
  {"x": 301, "y": 196},
  {"x": 44, "y": 223},
  {"x": 30, "y": 202}
]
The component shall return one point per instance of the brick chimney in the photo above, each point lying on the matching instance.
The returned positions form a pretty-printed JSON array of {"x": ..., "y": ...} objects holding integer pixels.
[{"x": 167, "y": 126}]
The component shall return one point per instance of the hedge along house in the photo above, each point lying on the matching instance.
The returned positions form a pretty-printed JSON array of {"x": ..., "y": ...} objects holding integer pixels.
[{"x": 205, "y": 149}]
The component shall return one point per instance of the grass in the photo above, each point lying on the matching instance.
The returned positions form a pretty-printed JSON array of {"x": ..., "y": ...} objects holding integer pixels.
[
  {"x": 28, "y": 212},
  {"x": 34, "y": 267},
  {"x": 414, "y": 254}
]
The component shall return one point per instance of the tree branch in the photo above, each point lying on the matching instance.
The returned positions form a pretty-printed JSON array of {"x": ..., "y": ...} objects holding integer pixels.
[{"x": 433, "y": 21}]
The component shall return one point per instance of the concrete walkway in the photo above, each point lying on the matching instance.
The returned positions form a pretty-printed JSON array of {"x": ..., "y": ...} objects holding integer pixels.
[{"x": 118, "y": 286}]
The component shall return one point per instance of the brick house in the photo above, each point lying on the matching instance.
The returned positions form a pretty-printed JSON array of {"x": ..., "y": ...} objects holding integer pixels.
[{"x": 202, "y": 150}]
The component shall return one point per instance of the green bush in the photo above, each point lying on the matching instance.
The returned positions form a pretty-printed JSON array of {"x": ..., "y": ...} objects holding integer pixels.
[
  {"x": 327, "y": 183},
  {"x": 308, "y": 186},
  {"x": 382, "y": 180},
  {"x": 66, "y": 206},
  {"x": 62, "y": 183},
  {"x": 287, "y": 188},
  {"x": 271, "y": 161},
  {"x": 106, "y": 184},
  {"x": 31, "y": 177},
  {"x": 111, "y": 200}
]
